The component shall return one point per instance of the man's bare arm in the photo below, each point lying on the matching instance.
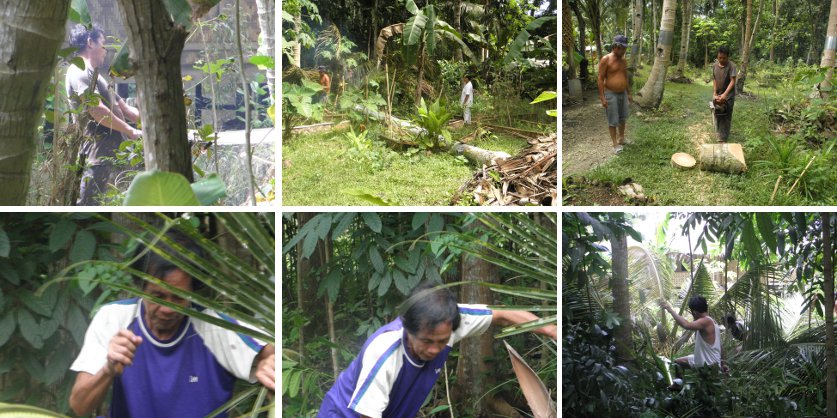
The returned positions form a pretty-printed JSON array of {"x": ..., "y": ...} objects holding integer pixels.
[
  {"x": 506, "y": 318},
  {"x": 601, "y": 79},
  {"x": 265, "y": 367},
  {"x": 102, "y": 115},
  {"x": 131, "y": 113},
  {"x": 729, "y": 87},
  {"x": 89, "y": 391}
]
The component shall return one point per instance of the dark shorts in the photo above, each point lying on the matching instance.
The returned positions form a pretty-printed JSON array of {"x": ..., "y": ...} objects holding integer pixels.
[{"x": 617, "y": 107}]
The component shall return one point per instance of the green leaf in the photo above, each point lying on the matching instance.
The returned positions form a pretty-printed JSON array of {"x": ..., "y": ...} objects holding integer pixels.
[
  {"x": 271, "y": 111},
  {"x": 411, "y": 7},
  {"x": 439, "y": 408},
  {"x": 7, "y": 327},
  {"x": 419, "y": 219},
  {"x": 401, "y": 282},
  {"x": 84, "y": 246},
  {"x": 160, "y": 188},
  {"x": 414, "y": 29},
  {"x": 372, "y": 220},
  {"x": 76, "y": 324},
  {"x": 209, "y": 189},
  {"x": 437, "y": 222},
  {"x": 377, "y": 260},
  {"x": 345, "y": 220},
  {"x": 296, "y": 377},
  {"x": 748, "y": 235},
  {"x": 78, "y": 62},
  {"x": 5, "y": 243},
  {"x": 263, "y": 61},
  {"x": 29, "y": 328},
  {"x": 121, "y": 65},
  {"x": 180, "y": 11},
  {"x": 79, "y": 13},
  {"x": 61, "y": 234},
  {"x": 386, "y": 281},
  {"x": 545, "y": 96},
  {"x": 375, "y": 200},
  {"x": 765, "y": 225}
]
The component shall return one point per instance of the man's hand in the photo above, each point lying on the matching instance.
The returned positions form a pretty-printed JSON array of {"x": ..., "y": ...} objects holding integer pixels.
[
  {"x": 630, "y": 98},
  {"x": 266, "y": 367},
  {"x": 121, "y": 351},
  {"x": 664, "y": 304},
  {"x": 134, "y": 134},
  {"x": 604, "y": 101}
]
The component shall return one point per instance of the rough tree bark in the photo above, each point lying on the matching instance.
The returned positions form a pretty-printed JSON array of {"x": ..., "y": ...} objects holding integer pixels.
[
  {"x": 651, "y": 95},
  {"x": 476, "y": 362},
  {"x": 594, "y": 12},
  {"x": 156, "y": 45},
  {"x": 773, "y": 32},
  {"x": 828, "y": 53},
  {"x": 457, "y": 24},
  {"x": 30, "y": 34},
  {"x": 306, "y": 285},
  {"x": 266, "y": 9},
  {"x": 636, "y": 40},
  {"x": 582, "y": 38},
  {"x": 621, "y": 297},
  {"x": 297, "y": 45},
  {"x": 685, "y": 30},
  {"x": 828, "y": 289},
  {"x": 745, "y": 53}
]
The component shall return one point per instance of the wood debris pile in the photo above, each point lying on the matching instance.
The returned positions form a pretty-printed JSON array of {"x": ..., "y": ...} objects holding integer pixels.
[{"x": 529, "y": 178}]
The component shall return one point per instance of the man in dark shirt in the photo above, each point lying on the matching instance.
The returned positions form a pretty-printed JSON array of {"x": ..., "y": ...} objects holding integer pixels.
[
  {"x": 724, "y": 73},
  {"x": 107, "y": 127}
]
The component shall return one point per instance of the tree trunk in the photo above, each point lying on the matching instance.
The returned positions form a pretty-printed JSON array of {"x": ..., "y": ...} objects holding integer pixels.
[
  {"x": 652, "y": 23},
  {"x": 297, "y": 45},
  {"x": 476, "y": 361},
  {"x": 156, "y": 45},
  {"x": 27, "y": 58},
  {"x": 773, "y": 32},
  {"x": 266, "y": 9},
  {"x": 745, "y": 53},
  {"x": 651, "y": 94},
  {"x": 457, "y": 24},
  {"x": 568, "y": 39},
  {"x": 582, "y": 39},
  {"x": 621, "y": 297},
  {"x": 828, "y": 289},
  {"x": 420, "y": 81},
  {"x": 636, "y": 41},
  {"x": 684, "y": 37},
  {"x": 306, "y": 284},
  {"x": 828, "y": 54},
  {"x": 595, "y": 11}
]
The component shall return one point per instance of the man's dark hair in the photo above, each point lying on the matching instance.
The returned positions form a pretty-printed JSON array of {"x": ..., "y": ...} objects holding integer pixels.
[
  {"x": 723, "y": 50},
  {"x": 468, "y": 76},
  {"x": 428, "y": 307},
  {"x": 729, "y": 319},
  {"x": 79, "y": 35},
  {"x": 698, "y": 304},
  {"x": 156, "y": 265}
]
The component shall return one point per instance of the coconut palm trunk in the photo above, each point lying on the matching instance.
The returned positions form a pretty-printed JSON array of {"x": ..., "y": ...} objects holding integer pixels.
[
  {"x": 828, "y": 54},
  {"x": 636, "y": 39},
  {"x": 266, "y": 9},
  {"x": 30, "y": 34},
  {"x": 684, "y": 37},
  {"x": 651, "y": 95},
  {"x": 621, "y": 297},
  {"x": 745, "y": 53},
  {"x": 828, "y": 289}
]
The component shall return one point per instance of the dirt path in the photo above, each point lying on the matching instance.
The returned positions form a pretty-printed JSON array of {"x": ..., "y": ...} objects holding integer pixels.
[{"x": 585, "y": 142}]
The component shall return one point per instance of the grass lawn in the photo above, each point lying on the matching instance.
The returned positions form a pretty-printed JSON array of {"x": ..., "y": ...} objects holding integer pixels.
[
  {"x": 323, "y": 169},
  {"x": 681, "y": 124}
]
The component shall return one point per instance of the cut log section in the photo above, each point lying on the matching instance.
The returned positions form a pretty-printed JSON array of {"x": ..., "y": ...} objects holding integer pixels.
[
  {"x": 724, "y": 158},
  {"x": 682, "y": 161},
  {"x": 475, "y": 154}
]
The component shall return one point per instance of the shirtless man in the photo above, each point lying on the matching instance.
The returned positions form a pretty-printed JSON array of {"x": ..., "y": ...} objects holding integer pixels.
[
  {"x": 614, "y": 90},
  {"x": 707, "y": 340}
]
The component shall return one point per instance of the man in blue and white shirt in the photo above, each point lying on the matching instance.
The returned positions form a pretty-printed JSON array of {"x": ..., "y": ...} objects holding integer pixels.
[
  {"x": 399, "y": 364},
  {"x": 161, "y": 363}
]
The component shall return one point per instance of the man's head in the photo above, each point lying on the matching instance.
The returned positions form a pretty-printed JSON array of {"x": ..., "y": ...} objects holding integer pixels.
[
  {"x": 466, "y": 78},
  {"x": 90, "y": 44},
  {"x": 620, "y": 45},
  {"x": 698, "y": 306},
  {"x": 729, "y": 319},
  {"x": 321, "y": 69},
  {"x": 430, "y": 318},
  {"x": 163, "y": 320},
  {"x": 723, "y": 55}
]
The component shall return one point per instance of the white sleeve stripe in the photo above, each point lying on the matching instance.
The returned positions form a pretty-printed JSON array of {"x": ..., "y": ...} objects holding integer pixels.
[{"x": 372, "y": 373}]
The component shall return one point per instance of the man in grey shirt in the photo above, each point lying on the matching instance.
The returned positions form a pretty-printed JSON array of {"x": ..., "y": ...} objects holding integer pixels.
[{"x": 107, "y": 127}]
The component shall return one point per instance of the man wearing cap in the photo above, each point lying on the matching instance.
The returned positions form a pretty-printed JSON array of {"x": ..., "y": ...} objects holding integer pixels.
[
  {"x": 325, "y": 81},
  {"x": 614, "y": 90}
]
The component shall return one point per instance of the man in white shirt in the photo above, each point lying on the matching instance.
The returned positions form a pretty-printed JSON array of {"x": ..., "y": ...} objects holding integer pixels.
[
  {"x": 466, "y": 99},
  {"x": 707, "y": 337}
]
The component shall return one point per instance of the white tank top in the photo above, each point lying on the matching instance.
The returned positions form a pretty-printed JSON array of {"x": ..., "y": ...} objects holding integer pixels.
[{"x": 706, "y": 354}]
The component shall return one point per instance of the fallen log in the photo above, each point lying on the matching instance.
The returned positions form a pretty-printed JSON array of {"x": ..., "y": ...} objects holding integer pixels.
[
  {"x": 724, "y": 158},
  {"x": 520, "y": 132},
  {"x": 475, "y": 154}
]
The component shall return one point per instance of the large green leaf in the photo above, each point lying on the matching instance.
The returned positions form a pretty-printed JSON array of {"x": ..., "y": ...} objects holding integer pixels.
[
  {"x": 26, "y": 411},
  {"x": 516, "y": 47},
  {"x": 430, "y": 32},
  {"x": 121, "y": 65},
  {"x": 160, "y": 188},
  {"x": 210, "y": 189},
  {"x": 180, "y": 11},
  {"x": 84, "y": 246},
  {"x": 414, "y": 29},
  {"x": 5, "y": 244},
  {"x": 61, "y": 234},
  {"x": 79, "y": 13}
]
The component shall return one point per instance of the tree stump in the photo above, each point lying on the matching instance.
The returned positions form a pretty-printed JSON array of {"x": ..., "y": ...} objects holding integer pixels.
[
  {"x": 725, "y": 158},
  {"x": 682, "y": 161}
]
